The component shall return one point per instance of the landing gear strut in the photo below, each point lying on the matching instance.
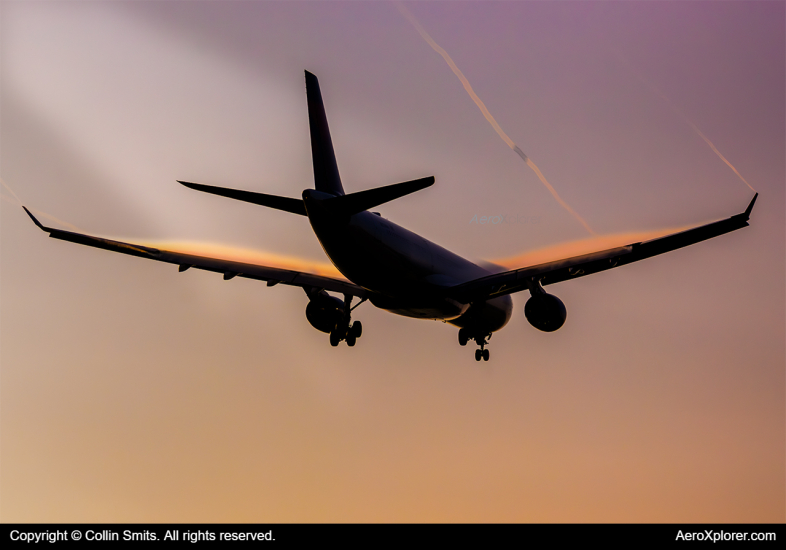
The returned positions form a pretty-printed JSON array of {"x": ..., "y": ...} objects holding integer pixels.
[{"x": 465, "y": 336}]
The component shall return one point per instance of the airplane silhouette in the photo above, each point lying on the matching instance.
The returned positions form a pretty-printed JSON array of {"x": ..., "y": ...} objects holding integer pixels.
[{"x": 395, "y": 269}]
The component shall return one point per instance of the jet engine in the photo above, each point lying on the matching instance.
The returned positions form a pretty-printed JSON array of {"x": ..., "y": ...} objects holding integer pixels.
[
  {"x": 545, "y": 312},
  {"x": 324, "y": 312}
]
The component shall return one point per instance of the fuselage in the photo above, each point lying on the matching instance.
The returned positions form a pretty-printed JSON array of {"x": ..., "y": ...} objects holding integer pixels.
[{"x": 407, "y": 274}]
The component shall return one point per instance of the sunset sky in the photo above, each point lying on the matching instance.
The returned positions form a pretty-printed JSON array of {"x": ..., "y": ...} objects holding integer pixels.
[{"x": 132, "y": 393}]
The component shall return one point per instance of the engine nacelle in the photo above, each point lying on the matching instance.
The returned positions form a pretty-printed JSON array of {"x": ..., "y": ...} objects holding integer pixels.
[
  {"x": 324, "y": 312},
  {"x": 545, "y": 312}
]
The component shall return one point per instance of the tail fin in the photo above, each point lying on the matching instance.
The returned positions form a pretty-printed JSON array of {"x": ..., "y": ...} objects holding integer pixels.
[{"x": 326, "y": 176}]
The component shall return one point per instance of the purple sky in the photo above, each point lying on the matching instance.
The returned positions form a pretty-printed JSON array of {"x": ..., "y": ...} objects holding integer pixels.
[{"x": 129, "y": 392}]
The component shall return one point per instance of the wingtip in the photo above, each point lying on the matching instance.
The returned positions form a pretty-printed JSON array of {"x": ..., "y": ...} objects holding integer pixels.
[
  {"x": 750, "y": 206},
  {"x": 35, "y": 220}
]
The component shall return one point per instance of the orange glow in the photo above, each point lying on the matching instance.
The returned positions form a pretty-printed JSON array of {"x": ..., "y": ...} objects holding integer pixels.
[
  {"x": 223, "y": 252},
  {"x": 532, "y": 257},
  {"x": 577, "y": 248}
]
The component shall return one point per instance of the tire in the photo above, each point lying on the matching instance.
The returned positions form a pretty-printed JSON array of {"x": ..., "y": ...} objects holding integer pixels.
[
  {"x": 486, "y": 355},
  {"x": 463, "y": 338},
  {"x": 351, "y": 340},
  {"x": 334, "y": 338},
  {"x": 478, "y": 354},
  {"x": 357, "y": 329}
]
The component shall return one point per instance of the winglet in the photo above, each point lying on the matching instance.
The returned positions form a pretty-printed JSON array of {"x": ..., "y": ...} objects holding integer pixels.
[
  {"x": 35, "y": 220},
  {"x": 750, "y": 207}
]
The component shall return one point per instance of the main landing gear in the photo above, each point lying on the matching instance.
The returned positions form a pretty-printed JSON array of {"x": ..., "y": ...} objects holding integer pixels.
[
  {"x": 465, "y": 336},
  {"x": 347, "y": 332},
  {"x": 343, "y": 330}
]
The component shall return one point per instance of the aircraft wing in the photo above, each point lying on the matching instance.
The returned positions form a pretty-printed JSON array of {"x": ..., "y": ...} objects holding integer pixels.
[
  {"x": 516, "y": 280},
  {"x": 230, "y": 269}
]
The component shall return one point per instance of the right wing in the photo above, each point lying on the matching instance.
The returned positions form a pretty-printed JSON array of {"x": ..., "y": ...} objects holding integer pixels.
[
  {"x": 230, "y": 269},
  {"x": 549, "y": 273}
]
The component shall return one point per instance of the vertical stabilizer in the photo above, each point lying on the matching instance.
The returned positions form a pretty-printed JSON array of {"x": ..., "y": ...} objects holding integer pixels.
[{"x": 326, "y": 176}]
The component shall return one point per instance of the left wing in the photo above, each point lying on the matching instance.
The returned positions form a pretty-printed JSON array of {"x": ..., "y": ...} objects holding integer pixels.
[
  {"x": 549, "y": 273},
  {"x": 230, "y": 269}
]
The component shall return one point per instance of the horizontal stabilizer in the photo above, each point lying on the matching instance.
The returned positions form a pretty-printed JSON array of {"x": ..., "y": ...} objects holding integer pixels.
[
  {"x": 363, "y": 200},
  {"x": 295, "y": 206}
]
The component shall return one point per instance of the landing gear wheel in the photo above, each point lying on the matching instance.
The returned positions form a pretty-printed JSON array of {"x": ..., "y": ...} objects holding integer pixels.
[
  {"x": 356, "y": 330},
  {"x": 478, "y": 354},
  {"x": 463, "y": 338},
  {"x": 335, "y": 338},
  {"x": 485, "y": 354},
  {"x": 351, "y": 339}
]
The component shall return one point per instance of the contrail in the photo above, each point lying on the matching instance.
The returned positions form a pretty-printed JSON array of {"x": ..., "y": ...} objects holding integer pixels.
[
  {"x": 11, "y": 190},
  {"x": 50, "y": 217},
  {"x": 712, "y": 146},
  {"x": 406, "y": 13},
  {"x": 18, "y": 202},
  {"x": 9, "y": 199},
  {"x": 688, "y": 120}
]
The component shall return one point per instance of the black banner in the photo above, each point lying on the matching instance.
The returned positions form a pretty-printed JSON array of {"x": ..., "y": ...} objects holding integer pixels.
[{"x": 276, "y": 534}]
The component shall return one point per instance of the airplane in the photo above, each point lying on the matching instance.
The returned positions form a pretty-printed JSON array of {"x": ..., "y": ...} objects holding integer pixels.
[{"x": 396, "y": 269}]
